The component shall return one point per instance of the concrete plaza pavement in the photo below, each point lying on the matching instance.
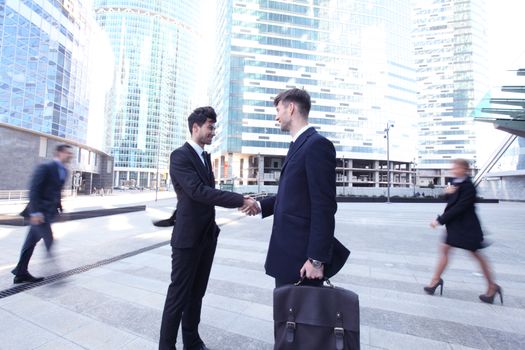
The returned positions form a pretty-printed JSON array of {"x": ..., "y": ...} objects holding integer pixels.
[{"x": 119, "y": 305}]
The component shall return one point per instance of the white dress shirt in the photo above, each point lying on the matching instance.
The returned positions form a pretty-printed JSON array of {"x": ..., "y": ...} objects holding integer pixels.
[
  {"x": 302, "y": 130},
  {"x": 197, "y": 149}
]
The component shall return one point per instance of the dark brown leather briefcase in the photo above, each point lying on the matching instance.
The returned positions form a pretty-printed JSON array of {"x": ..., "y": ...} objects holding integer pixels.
[{"x": 315, "y": 318}]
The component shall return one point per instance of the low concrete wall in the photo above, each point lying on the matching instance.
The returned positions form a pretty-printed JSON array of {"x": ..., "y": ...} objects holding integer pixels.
[
  {"x": 509, "y": 188},
  {"x": 354, "y": 191}
]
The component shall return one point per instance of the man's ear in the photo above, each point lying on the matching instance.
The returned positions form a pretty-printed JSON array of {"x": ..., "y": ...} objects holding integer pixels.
[{"x": 291, "y": 107}]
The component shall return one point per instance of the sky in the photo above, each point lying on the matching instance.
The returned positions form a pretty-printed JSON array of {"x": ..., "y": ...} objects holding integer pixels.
[{"x": 506, "y": 52}]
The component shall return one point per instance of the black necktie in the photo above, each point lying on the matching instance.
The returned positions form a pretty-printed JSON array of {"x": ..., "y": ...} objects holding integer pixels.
[
  {"x": 205, "y": 157},
  {"x": 290, "y": 149}
]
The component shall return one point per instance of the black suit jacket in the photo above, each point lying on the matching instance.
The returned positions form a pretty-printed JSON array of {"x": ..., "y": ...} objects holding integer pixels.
[
  {"x": 196, "y": 198},
  {"x": 45, "y": 191},
  {"x": 460, "y": 219},
  {"x": 303, "y": 208}
]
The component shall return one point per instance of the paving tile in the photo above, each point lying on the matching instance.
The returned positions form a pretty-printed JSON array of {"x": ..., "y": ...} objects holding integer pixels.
[
  {"x": 391, "y": 340},
  {"x": 60, "y": 344},
  {"x": 51, "y": 317},
  {"x": 141, "y": 344},
  {"x": 19, "y": 334},
  {"x": 99, "y": 335},
  {"x": 393, "y": 257}
]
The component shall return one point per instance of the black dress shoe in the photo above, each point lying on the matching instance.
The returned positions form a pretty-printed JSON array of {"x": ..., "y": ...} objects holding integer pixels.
[
  {"x": 27, "y": 278},
  {"x": 166, "y": 222}
]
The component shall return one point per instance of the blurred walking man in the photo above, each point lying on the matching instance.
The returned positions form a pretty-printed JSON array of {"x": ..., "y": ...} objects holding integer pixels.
[{"x": 44, "y": 204}]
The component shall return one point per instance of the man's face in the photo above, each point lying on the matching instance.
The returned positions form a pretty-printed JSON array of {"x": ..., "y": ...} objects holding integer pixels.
[
  {"x": 284, "y": 115},
  {"x": 204, "y": 134},
  {"x": 458, "y": 171},
  {"x": 65, "y": 156}
]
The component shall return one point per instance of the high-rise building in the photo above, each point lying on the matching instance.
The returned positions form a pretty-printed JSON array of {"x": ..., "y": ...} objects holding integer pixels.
[
  {"x": 355, "y": 58},
  {"x": 46, "y": 93},
  {"x": 44, "y": 61},
  {"x": 155, "y": 50},
  {"x": 450, "y": 45}
]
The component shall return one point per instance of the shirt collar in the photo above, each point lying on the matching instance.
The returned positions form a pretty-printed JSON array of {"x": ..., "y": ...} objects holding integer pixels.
[
  {"x": 459, "y": 180},
  {"x": 302, "y": 130},
  {"x": 196, "y": 147}
]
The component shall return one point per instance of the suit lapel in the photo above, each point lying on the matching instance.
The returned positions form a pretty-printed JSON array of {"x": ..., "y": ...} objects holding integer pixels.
[
  {"x": 56, "y": 171},
  {"x": 197, "y": 163},
  {"x": 297, "y": 145}
]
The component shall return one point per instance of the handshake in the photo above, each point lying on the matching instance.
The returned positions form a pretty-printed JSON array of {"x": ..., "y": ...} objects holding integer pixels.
[{"x": 250, "y": 206}]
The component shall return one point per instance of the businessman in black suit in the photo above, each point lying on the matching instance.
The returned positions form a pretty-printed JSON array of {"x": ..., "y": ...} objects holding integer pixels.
[
  {"x": 302, "y": 244},
  {"x": 195, "y": 233},
  {"x": 44, "y": 204}
]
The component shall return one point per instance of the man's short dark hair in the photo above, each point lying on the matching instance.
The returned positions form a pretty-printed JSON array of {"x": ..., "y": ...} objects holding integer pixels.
[
  {"x": 200, "y": 115},
  {"x": 298, "y": 96},
  {"x": 63, "y": 147}
]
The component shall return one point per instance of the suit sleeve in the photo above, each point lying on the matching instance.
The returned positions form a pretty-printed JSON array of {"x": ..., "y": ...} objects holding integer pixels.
[
  {"x": 320, "y": 173},
  {"x": 182, "y": 169},
  {"x": 467, "y": 198},
  {"x": 40, "y": 176},
  {"x": 267, "y": 206}
]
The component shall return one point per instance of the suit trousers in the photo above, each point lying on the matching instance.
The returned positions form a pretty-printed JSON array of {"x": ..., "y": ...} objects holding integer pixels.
[
  {"x": 190, "y": 271},
  {"x": 35, "y": 234}
]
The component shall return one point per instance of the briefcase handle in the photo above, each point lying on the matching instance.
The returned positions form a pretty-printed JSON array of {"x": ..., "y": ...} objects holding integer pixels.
[{"x": 326, "y": 282}]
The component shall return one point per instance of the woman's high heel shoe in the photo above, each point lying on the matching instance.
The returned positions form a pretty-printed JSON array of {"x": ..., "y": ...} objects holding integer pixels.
[
  {"x": 432, "y": 290},
  {"x": 489, "y": 299}
]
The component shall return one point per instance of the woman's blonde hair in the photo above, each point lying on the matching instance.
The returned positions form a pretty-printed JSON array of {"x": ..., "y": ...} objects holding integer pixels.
[{"x": 462, "y": 163}]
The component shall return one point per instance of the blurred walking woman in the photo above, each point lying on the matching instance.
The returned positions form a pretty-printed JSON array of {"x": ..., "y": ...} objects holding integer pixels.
[{"x": 463, "y": 230}]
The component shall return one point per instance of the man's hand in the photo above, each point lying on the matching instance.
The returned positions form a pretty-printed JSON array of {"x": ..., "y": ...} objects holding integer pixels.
[
  {"x": 434, "y": 223},
  {"x": 36, "y": 219},
  {"x": 250, "y": 206},
  {"x": 309, "y": 271}
]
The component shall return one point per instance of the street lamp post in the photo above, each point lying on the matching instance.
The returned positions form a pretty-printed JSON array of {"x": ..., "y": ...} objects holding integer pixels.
[
  {"x": 387, "y": 136},
  {"x": 258, "y": 173},
  {"x": 414, "y": 174},
  {"x": 344, "y": 176},
  {"x": 158, "y": 164}
]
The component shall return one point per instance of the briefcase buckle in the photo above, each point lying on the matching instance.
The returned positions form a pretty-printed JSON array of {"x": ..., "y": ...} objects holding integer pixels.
[
  {"x": 290, "y": 330},
  {"x": 339, "y": 338}
]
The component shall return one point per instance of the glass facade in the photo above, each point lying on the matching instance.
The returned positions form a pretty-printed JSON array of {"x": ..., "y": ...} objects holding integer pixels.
[
  {"x": 452, "y": 67},
  {"x": 44, "y": 60},
  {"x": 355, "y": 58},
  {"x": 154, "y": 48}
]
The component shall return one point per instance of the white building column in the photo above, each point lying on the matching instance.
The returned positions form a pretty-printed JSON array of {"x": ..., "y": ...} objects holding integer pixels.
[
  {"x": 376, "y": 173},
  {"x": 350, "y": 173}
]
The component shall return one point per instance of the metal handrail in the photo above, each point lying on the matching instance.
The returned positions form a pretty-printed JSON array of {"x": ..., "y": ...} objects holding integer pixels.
[
  {"x": 494, "y": 159},
  {"x": 17, "y": 195}
]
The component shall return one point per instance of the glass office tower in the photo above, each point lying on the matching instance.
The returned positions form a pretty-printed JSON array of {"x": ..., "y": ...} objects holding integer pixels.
[
  {"x": 354, "y": 57},
  {"x": 452, "y": 75},
  {"x": 44, "y": 64},
  {"x": 154, "y": 48}
]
